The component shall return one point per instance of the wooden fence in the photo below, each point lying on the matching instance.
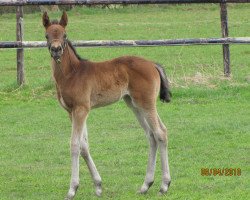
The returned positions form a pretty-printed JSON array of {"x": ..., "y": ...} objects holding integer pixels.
[{"x": 20, "y": 44}]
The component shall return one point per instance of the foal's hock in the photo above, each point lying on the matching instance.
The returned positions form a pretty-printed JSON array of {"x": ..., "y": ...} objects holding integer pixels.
[{"x": 82, "y": 85}]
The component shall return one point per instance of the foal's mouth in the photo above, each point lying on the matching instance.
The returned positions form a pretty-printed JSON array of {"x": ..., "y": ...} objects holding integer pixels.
[
  {"x": 57, "y": 59},
  {"x": 56, "y": 54}
]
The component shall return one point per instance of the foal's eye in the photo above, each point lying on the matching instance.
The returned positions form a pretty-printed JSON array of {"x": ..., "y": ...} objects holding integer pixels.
[
  {"x": 65, "y": 36},
  {"x": 47, "y": 37}
]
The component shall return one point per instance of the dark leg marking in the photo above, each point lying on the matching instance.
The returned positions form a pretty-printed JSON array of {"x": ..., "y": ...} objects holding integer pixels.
[
  {"x": 169, "y": 184},
  {"x": 150, "y": 184}
]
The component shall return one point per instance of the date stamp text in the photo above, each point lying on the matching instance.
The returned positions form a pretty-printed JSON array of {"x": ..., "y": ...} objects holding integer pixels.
[{"x": 220, "y": 171}]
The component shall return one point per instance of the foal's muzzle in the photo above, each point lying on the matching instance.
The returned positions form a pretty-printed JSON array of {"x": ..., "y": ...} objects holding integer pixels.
[
  {"x": 56, "y": 50},
  {"x": 56, "y": 53}
]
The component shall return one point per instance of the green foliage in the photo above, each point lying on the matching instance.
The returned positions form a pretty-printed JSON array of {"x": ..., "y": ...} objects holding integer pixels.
[{"x": 208, "y": 119}]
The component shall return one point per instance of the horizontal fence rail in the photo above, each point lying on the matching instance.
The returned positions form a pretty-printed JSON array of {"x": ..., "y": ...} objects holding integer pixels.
[
  {"x": 96, "y": 2},
  {"x": 139, "y": 43}
]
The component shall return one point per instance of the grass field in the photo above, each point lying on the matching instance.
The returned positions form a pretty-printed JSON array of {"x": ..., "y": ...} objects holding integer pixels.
[{"x": 208, "y": 119}]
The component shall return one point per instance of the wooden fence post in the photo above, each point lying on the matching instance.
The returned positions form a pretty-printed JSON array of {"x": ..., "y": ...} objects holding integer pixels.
[
  {"x": 20, "y": 51},
  {"x": 224, "y": 29}
]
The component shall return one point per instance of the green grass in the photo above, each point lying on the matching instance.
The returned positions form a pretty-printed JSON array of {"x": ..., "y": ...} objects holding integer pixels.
[{"x": 208, "y": 119}]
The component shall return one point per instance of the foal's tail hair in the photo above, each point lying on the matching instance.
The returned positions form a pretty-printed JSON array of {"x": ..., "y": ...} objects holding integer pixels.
[{"x": 165, "y": 93}]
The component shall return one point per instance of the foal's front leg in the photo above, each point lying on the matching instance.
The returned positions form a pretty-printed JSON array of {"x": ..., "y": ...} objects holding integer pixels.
[
  {"x": 79, "y": 116},
  {"x": 89, "y": 161}
]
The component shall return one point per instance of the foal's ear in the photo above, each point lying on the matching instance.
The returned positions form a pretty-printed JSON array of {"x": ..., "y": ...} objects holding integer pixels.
[
  {"x": 64, "y": 19},
  {"x": 46, "y": 21}
]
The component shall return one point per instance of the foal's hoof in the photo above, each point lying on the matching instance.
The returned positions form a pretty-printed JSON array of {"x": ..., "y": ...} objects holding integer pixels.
[
  {"x": 98, "y": 192},
  {"x": 98, "y": 189},
  {"x": 145, "y": 187},
  {"x": 69, "y": 198},
  {"x": 143, "y": 190},
  {"x": 70, "y": 194},
  {"x": 164, "y": 188}
]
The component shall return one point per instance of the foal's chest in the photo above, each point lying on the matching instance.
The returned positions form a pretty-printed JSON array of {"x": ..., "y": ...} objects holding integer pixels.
[{"x": 64, "y": 101}]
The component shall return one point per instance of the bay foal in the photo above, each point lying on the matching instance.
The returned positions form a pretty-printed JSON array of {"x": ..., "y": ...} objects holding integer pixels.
[{"x": 83, "y": 85}]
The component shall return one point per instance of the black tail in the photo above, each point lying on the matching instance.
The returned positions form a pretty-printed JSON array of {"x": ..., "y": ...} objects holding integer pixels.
[{"x": 165, "y": 94}]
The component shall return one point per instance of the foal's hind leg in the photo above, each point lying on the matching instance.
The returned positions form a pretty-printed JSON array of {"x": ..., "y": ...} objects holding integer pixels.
[
  {"x": 160, "y": 134},
  {"x": 149, "y": 179}
]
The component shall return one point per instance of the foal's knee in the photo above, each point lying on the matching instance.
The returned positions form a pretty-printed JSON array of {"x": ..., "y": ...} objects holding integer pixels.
[{"x": 161, "y": 135}]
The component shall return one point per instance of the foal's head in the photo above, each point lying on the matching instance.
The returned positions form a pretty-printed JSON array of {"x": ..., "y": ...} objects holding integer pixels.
[{"x": 56, "y": 35}]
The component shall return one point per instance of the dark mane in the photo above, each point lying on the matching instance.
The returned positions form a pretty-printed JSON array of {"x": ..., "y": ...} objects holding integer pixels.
[{"x": 74, "y": 50}]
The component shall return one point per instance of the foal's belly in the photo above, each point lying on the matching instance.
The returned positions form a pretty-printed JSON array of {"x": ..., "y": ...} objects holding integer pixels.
[
  {"x": 110, "y": 85},
  {"x": 104, "y": 98}
]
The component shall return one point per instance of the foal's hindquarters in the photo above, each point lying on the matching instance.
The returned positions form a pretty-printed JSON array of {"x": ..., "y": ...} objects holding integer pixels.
[{"x": 142, "y": 98}]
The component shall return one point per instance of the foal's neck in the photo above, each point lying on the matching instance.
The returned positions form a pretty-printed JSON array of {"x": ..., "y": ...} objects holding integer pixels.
[{"x": 67, "y": 67}]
